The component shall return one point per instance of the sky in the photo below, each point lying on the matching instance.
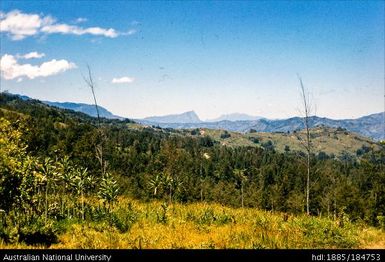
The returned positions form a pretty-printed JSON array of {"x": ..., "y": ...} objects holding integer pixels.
[{"x": 214, "y": 57}]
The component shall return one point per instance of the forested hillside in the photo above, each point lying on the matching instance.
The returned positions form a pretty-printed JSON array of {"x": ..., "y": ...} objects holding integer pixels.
[{"x": 55, "y": 164}]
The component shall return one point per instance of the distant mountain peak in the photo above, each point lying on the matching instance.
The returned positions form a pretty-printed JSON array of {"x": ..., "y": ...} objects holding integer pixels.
[
  {"x": 186, "y": 117},
  {"x": 235, "y": 117},
  {"x": 191, "y": 114}
]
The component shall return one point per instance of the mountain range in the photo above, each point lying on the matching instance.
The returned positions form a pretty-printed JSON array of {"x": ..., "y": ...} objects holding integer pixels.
[
  {"x": 370, "y": 126},
  {"x": 84, "y": 108}
]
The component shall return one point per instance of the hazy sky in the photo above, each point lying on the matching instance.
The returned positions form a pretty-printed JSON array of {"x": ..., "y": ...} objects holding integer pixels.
[{"x": 214, "y": 57}]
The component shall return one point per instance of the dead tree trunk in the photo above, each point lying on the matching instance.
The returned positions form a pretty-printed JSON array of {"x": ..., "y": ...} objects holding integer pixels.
[{"x": 306, "y": 112}]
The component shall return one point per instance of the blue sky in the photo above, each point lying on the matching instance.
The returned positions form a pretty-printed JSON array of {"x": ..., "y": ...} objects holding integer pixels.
[{"x": 214, "y": 57}]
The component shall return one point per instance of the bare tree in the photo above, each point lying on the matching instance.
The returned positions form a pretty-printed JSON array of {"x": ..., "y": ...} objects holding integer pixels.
[
  {"x": 383, "y": 135},
  {"x": 108, "y": 190},
  {"x": 90, "y": 82},
  {"x": 306, "y": 115},
  {"x": 99, "y": 148}
]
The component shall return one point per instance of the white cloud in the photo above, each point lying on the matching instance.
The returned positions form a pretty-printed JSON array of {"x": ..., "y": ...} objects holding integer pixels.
[
  {"x": 75, "y": 30},
  {"x": 20, "y": 25},
  {"x": 31, "y": 55},
  {"x": 81, "y": 20},
  {"x": 12, "y": 69},
  {"x": 130, "y": 32},
  {"x": 123, "y": 80},
  {"x": 135, "y": 23}
]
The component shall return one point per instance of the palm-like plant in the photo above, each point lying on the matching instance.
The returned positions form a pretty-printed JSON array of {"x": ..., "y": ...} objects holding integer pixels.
[
  {"x": 67, "y": 176},
  {"x": 168, "y": 182},
  {"x": 79, "y": 184},
  {"x": 66, "y": 171},
  {"x": 108, "y": 190},
  {"x": 28, "y": 199},
  {"x": 173, "y": 183},
  {"x": 82, "y": 183},
  {"x": 155, "y": 184},
  {"x": 68, "y": 179},
  {"x": 49, "y": 176}
]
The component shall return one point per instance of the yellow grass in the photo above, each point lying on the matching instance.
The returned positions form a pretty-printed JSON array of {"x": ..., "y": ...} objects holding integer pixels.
[{"x": 202, "y": 225}]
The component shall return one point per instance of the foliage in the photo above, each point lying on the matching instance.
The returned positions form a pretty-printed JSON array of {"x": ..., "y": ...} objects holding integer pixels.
[
  {"x": 108, "y": 190},
  {"x": 48, "y": 170},
  {"x": 225, "y": 135}
]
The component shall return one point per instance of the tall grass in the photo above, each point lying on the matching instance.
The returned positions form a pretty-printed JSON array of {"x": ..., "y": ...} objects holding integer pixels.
[{"x": 157, "y": 225}]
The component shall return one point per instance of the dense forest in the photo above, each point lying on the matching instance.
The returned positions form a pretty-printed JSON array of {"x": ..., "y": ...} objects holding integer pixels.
[{"x": 50, "y": 156}]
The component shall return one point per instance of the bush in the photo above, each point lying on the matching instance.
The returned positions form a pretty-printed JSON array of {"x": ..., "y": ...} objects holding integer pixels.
[
  {"x": 381, "y": 221},
  {"x": 206, "y": 141},
  {"x": 287, "y": 148},
  {"x": 195, "y": 132},
  {"x": 322, "y": 156},
  {"x": 225, "y": 135},
  {"x": 7, "y": 234},
  {"x": 161, "y": 215},
  {"x": 359, "y": 152},
  {"x": 38, "y": 232},
  {"x": 123, "y": 219},
  {"x": 323, "y": 233},
  {"x": 209, "y": 217},
  {"x": 255, "y": 140},
  {"x": 268, "y": 145}
]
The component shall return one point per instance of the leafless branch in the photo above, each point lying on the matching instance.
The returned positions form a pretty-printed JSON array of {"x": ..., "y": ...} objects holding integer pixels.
[
  {"x": 90, "y": 82},
  {"x": 307, "y": 112}
]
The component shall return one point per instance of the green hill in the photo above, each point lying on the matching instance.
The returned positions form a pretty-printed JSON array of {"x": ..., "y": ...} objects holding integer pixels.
[{"x": 324, "y": 139}]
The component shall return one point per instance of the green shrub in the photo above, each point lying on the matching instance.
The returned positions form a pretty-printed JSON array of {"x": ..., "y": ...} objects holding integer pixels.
[
  {"x": 161, "y": 215},
  {"x": 38, "y": 232},
  {"x": 123, "y": 219},
  {"x": 381, "y": 221}
]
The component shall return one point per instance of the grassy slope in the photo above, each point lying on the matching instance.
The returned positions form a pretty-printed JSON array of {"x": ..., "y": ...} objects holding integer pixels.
[
  {"x": 203, "y": 225},
  {"x": 326, "y": 139}
]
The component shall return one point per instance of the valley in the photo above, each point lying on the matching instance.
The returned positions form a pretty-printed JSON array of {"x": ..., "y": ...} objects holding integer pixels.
[{"x": 212, "y": 188}]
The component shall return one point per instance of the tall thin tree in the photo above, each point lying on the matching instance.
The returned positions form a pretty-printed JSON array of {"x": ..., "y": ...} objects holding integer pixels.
[
  {"x": 99, "y": 148},
  {"x": 241, "y": 179},
  {"x": 306, "y": 115},
  {"x": 383, "y": 134},
  {"x": 90, "y": 82}
]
